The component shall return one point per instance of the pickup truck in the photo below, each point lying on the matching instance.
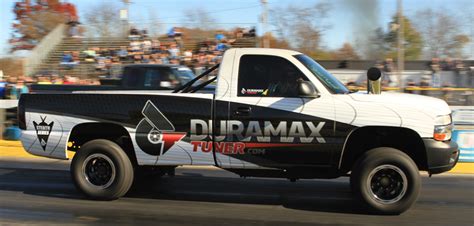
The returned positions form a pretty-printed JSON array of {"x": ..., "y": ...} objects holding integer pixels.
[
  {"x": 134, "y": 77},
  {"x": 273, "y": 113}
]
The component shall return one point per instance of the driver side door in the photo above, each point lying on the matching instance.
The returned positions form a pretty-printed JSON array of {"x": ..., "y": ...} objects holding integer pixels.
[{"x": 277, "y": 127}]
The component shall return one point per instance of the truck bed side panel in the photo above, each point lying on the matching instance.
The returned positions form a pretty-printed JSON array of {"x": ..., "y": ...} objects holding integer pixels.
[
  {"x": 168, "y": 145},
  {"x": 46, "y": 134}
]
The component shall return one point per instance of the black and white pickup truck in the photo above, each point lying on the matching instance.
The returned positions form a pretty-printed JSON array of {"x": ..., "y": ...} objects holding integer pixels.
[{"x": 274, "y": 113}]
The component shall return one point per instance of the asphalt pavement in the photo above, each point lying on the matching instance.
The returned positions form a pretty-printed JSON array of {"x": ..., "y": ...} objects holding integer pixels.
[{"x": 40, "y": 191}]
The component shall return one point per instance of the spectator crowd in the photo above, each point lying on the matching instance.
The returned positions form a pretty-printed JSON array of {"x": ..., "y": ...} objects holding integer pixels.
[
  {"x": 142, "y": 49},
  {"x": 461, "y": 72},
  {"x": 145, "y": 50},
  {"x": 11, "y": 87},
  {"x": 463, "y": 75}
]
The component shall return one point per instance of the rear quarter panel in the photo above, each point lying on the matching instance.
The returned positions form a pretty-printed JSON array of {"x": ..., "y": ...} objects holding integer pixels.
[
  {"x": 47, "y": 134},
  {"x": 50, "y": 118}
]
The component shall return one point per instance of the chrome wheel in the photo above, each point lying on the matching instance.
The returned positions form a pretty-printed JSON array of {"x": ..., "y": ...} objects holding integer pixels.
[
  {"x": 98, "y": 170},
  {"x": 387, "y": 184}
]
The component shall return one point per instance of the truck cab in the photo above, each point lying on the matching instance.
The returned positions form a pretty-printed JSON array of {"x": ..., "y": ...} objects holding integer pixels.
[{"x": 273, "y": 113}]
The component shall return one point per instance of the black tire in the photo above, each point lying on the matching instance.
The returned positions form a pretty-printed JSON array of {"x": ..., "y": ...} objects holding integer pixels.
[
  {"x": 386, "y": 181},
  {"x": 102, "y": 170}
]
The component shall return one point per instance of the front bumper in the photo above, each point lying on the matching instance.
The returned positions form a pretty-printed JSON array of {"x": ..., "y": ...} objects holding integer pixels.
[{"x": 441, "y": 156}]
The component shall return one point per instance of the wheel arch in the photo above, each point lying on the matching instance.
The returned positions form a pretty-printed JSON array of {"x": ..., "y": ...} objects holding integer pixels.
[
  {"x": 84, "y": 132},
  {"x": 365, "y": 138}
]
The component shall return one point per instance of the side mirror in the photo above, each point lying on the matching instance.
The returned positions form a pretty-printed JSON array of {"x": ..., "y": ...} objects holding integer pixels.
[
  {"x": 165, "y": 84},
  {"x": 306, "y": 89}
]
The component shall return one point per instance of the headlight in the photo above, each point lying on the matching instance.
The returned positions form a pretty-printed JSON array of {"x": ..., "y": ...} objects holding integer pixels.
[
  {"x": 443, "y": 128},
  {"x": 443, "y": 133},
  {"x": 443, "y": 120}
]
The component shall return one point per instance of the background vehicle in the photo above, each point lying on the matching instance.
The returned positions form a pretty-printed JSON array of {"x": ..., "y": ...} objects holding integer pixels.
[
  {"x": 274, "y": 113},
  {"x": 134, "y": 77}
]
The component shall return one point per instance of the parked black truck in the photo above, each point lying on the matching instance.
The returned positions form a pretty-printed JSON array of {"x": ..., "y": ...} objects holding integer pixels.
[{"x": 133, "y": 77}]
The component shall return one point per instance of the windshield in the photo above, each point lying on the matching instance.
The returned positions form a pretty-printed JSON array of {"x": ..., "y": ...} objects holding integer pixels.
[{"x": 331, "y": 82}]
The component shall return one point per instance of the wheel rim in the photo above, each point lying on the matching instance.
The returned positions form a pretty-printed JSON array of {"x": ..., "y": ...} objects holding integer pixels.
[
  {"x": 98, "y": 170},
  {"x": 387, "y": 184}
]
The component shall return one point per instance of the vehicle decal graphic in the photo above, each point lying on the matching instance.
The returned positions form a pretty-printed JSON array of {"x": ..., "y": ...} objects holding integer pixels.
[
  {"x": 154, "y": 133},
  {"x": 260, "y": 131},
  {"x": 262, "y": 92},
  {"x": 43, "y": 130},
  {"x": 236, "y": 147}
]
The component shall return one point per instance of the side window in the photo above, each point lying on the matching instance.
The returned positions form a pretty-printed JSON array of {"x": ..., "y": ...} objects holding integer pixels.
[
  {"x": 151, "y": 78},
  {"x": 134, "y": 77},
  {"x": 168, "y": 79},
  {"x": 269, "y": 76},
  {"x": 162, "y": 78}
]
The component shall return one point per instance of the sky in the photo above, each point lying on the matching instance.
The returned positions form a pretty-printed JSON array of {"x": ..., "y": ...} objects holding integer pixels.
[{"x": 344, "y": 17}]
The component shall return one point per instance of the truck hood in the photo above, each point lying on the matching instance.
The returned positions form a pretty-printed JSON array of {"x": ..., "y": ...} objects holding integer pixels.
[
  {"x": 411, "y": 111},
  {"x": 429, "y": 105}
]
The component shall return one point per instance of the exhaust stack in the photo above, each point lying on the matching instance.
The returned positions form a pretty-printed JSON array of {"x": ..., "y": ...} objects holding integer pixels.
[{"x": 374, "y": 81}]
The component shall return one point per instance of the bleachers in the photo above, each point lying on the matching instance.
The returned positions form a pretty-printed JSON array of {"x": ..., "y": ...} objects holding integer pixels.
[
  {"x": 86, "y": 69},
  {"x": 74, "y": 44}
]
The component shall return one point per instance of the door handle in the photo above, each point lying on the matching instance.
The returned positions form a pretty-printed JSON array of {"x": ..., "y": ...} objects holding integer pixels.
[{"x": 243, "y": 111}]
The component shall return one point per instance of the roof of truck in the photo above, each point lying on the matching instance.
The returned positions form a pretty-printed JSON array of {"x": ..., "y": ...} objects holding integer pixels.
[
  {"x": 155, "y": 65},
  {"x": 268, "y": 51}
]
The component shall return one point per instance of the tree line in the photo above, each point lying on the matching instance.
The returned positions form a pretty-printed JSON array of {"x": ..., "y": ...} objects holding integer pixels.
[{"x": 428, "y": 33}]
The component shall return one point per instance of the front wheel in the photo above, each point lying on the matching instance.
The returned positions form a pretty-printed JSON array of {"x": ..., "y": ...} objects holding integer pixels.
[
  {"x": 386, "y": 180},
  {"x": 102, "y": 170}
]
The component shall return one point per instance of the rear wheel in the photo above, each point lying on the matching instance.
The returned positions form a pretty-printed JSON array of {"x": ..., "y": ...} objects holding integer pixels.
[
  {"x": 102, "y": 170},
  {"x": 386, "y": 180}
]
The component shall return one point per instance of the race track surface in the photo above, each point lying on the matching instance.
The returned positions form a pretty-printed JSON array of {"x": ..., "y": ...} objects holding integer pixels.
[{"x": 36, "y": 191}]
